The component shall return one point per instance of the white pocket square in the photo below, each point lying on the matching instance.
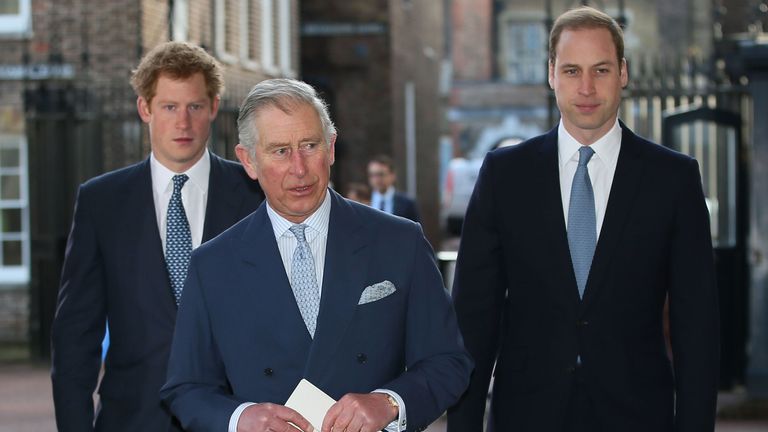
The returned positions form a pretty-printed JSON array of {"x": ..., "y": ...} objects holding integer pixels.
[{"x": 376, "y": 291}]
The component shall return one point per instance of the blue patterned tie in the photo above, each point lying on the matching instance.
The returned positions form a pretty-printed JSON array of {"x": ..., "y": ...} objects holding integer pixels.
[
  {"x": 178, "y": 240},
  {"x": 582, "y": 225},
  {"x": 304, "y": 281}
]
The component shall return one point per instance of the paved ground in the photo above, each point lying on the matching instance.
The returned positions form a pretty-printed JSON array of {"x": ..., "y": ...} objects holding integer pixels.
[{"x": 26, "y": 406}]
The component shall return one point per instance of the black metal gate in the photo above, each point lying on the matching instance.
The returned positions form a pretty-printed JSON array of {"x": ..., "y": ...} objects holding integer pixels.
[{"x": 714, "y": 138}]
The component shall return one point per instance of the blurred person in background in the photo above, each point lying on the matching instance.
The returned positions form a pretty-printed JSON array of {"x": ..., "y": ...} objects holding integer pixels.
[
  {"x": 359, "y": 192},
  {"x": 382, "y": 177}
]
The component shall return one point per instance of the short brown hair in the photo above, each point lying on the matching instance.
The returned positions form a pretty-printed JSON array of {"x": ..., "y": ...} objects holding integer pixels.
[
  {"x": 581, "y": 18},
  {"x": 384, "y": 160},
  {"x": 177, "y": 60}
]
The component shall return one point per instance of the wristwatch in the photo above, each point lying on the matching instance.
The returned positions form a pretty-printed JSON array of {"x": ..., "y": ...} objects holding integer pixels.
[{"x": 392, "y": 401}]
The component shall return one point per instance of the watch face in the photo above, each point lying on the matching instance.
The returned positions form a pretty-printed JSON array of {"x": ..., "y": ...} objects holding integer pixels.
[{"x": 393, "y": 402}]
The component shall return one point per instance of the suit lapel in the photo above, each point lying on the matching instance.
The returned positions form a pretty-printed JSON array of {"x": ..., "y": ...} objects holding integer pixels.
[
  {"x": 266, "y": 285},
  {"x": 343, "y": 281},
  {"x": 140, "y": 225},
  {"x": 629, "y": 169},
  {"x": 224, "y": 202},
  {"x": 555, "y": 234}
]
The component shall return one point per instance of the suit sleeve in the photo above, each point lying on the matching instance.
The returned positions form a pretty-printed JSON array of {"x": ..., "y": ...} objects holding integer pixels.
[
  {"x": 478, "y": 293},
  {"x": 437, "y": 366},
  {"x": 694, "y": 313},
  {"x": 79, "y": 324},
  {"x": 196, "y": 388}
]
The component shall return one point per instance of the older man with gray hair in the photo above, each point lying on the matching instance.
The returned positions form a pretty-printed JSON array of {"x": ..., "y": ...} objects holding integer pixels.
[{"x": 311, "y": 287}]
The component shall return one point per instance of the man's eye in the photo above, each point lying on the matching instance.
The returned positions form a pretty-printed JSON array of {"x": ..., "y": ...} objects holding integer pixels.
[
  {"x": 169, "y": 107},
  {"x": 195, "y": 107},
  {"x": 281, "y": 151}
]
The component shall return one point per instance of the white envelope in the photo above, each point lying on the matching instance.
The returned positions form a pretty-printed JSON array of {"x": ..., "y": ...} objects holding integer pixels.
[{"x": 311, "y": 402}]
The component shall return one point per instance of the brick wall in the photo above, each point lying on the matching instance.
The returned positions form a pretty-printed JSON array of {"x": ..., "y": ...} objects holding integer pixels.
[{"x": 14, "y": 314}]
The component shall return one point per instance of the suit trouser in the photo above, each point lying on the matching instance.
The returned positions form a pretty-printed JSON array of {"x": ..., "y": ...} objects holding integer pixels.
[{"x": 581, "y": 415}]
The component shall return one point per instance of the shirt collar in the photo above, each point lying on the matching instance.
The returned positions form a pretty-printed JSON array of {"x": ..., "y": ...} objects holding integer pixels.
[
  {"x": 606, "y": 148},
  {"x": 199, "y": 174},
  {"x": 386, "y": 195},
  {"x": 317, "y": 222}
]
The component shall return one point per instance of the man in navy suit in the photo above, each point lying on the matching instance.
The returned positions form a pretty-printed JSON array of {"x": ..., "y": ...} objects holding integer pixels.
[
  {"x": 572, "y": 242},
  {"x": 382, "y": 177},
  {"x": 311, "y": 286},
  {"x": 118, "y": 257}
]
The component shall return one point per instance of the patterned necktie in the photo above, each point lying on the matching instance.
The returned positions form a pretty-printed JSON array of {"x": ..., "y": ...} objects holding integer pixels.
[
  {"x": 582, "y": 225},
  {"x": 304, "y": 281},
  {"x": 178, "y": 240}
]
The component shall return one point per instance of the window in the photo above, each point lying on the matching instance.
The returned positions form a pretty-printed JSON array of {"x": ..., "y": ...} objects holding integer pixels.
[
  {"x": 249, "y": 33},
  {"x": 262, "y": 36},
  {"x": 14, "y": 211},
  {"x": 268, "y": 37},
  {"x": 225, "y": 16},
  {"x": 284, "y": 23},
  {"x": 180, "y": 20},
  {"x": 524, "y": 51},
  {"x": 15, "y": 17}
]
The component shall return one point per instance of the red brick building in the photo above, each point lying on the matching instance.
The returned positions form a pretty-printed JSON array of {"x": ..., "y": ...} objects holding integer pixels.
[{"x": 67, "y": 113}]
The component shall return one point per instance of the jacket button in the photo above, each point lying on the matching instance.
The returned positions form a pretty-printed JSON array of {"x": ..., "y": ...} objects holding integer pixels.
[
  {"x": 582, "y": 323},
  {"x": 361, "y": 358},
  {"x": 571, "y": 369},
  {"x": 268, "y": 371}
]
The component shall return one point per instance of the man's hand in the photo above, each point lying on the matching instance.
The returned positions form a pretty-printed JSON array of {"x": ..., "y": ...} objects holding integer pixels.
[
  {"x": 271, "y": 417},
  {"x": 370, "y": 412}
]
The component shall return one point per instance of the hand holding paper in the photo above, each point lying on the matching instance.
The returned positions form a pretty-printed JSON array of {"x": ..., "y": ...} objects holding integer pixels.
[
  {"x": 311, "y": 402},
  {"x": 269, "y": 416},
  {"x": 355, "y": 412}
]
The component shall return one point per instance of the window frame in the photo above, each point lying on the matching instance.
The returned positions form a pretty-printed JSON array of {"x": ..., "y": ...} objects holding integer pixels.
[
  {"x": 16, "y": 274},
  {"x": 17, "y": 25}
]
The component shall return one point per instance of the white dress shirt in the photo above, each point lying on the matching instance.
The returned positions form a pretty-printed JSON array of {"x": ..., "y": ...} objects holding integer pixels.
[
  {"x": 601, "y": 168},
  {"x": 194, "y": 195},
  {"x": 387, "y": 198},
  {"x": 316, "y": 234}
]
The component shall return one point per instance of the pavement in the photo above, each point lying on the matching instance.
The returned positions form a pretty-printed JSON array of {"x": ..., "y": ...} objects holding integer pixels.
[{"x": 26, "y": 404}]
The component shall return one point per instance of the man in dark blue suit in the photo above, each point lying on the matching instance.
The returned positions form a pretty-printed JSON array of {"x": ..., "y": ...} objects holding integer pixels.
[
  {"x": 384, "y": 196},
  {"x": 571, "y": 244},
  {"x": 127, "y": 253},
  {"x": 311, "y": 286}
]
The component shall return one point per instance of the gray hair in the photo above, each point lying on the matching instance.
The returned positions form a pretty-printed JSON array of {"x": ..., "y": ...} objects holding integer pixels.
[{"x": 282, "y": 93}]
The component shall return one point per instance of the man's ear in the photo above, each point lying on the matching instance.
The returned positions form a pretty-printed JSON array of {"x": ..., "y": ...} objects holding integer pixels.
[
  {"x": 551, "y": 74},
  {"x": 244, "y": 156},
  {"x": 215, "y": 106},
  {"x": 142, "y": 105},
  {"x": 332, "y": 149},
  {"x": 624, "y": 73}
]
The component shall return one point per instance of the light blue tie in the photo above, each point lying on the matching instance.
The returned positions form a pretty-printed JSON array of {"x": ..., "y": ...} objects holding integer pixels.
[
  {"x": 178, "y": 240},
  {"x": 582, "y": 225},
  {"x": 304, "y": 281}
]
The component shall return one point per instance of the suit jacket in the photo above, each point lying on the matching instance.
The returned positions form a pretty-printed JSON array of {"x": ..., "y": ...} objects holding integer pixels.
[
  {"x": 240, "y": 336},
  {"x": 405, "y": 206},
  {"x": 518, "y": 304},
  {"x": 115, "y": 269}
]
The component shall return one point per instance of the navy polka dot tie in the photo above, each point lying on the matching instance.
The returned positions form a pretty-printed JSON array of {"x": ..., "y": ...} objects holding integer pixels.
[
  {"x": 178, "y": 240},
  {"x": 304, "y": 280},
  {"x": 582, "y": 224}
]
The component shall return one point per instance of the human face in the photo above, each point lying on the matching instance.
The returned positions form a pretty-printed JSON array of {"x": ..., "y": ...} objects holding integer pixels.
[
  {"x": 179, "y": 118},
  {"x": 292, "y": 161},
  {"x": 587, "y": 79},
  {"x": 380, "y": 177}
]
